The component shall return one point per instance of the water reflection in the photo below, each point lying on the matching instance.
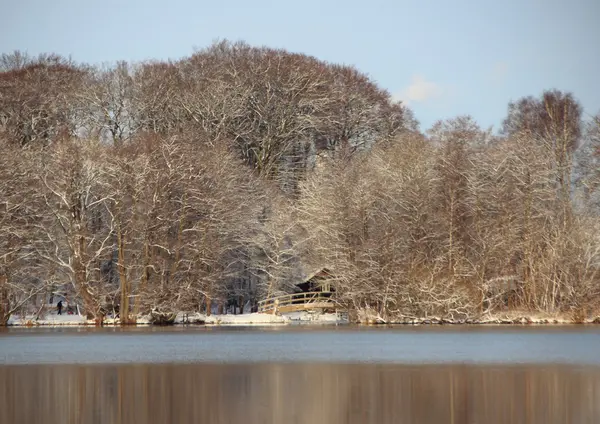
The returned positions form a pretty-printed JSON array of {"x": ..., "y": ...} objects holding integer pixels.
[{"x": 299, "y": 393}]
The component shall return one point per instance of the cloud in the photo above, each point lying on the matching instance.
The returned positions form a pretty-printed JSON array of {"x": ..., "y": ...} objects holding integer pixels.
[
  {"x": 419, "y": 91},
  {"x": 499, "y": 72}
]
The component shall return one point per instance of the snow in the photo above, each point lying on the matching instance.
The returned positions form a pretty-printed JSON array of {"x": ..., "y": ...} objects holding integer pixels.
[
  {"x": 143, "y": 320},
  {"x": 316, "y": 317},
  {"x": 243, "y": 319},
  {"x": 526, "y": 317},
  {"x": 261, "y": 319},
  {"x": 50, "y": 319},
  {"x": 182, "y": 318},
  {"x": 303, "y": 317}
]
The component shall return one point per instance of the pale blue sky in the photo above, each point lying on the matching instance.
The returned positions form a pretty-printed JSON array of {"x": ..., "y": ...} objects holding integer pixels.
[{"x": 446, "y": 57}]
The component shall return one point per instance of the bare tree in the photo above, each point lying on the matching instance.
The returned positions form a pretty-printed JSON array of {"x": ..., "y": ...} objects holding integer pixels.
[
  {"x": 157, "y": 98},
  {"x": 586, "y": 169},
  {"x": 359, "y": 113},
  {"x": 14, "y": 61},
  {"x": 106, "y": 104},
  {"x": 77, "y": 227},
  {"x": 228, "y": 175},
  {"x": 264, "y": 100},
  {"x": 36, "y": 99},
  {"x": 554, "y": 120},
  {"x": 131, "y": 205},
  {"x": 224, "y": 203},
  {"x": 280, "y": 108},
  {"x": 371, "y": 222},
  {"x": 456, "y": 140},
  {"x": 184, "y": 220},
  {"x": 22, "y": 277}
]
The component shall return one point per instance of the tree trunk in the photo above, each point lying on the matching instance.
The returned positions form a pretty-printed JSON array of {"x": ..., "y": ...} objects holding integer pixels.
[
  {"x": 92, "y": 310},
  {"x": 123, "y": 279},
  {"x": 4, "y": 301},
  {"x": 175, "y": 260},
  {"x": 451, "y": 238},
  {"x": 144, "y": 278},
  {"x": 208, "y": 306}
]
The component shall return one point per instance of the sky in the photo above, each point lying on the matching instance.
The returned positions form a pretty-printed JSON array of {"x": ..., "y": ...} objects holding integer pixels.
[{"x": 443, "y": 58}]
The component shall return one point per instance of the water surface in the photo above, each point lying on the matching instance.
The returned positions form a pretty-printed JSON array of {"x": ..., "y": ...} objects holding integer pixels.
[
  {"x": 424, "y": 375},
  {"x": 469, "y": 344},
  {"x": 299, "y": 393}
]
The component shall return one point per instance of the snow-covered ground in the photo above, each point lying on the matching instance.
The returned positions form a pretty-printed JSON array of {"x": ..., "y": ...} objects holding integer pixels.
[
  {"x": 293, "y": 318},
  {"x": 260, "y": 319},
  {"x": 316, "y": 317},
  {"x": 191, "y": 318},
  {"x": 243, "y": 319},
  {"x": 50, "y": 319}
]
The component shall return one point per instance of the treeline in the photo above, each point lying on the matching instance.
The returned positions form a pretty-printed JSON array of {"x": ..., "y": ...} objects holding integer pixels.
[{"x": 226, "y": 176}]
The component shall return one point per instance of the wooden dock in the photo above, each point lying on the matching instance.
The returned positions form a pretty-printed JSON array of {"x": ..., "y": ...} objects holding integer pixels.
[{"x": 297, "y": 302}]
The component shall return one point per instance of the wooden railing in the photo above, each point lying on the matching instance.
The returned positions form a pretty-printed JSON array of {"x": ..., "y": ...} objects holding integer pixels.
[{"x": 296, "y": 301}]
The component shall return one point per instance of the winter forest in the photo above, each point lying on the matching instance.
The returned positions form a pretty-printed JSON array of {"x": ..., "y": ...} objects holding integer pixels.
[{"x": 227, "y": 176}]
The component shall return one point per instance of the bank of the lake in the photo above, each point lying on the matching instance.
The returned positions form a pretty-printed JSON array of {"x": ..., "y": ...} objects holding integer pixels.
[
  {"x": 307, "y": 318},
  {"x": 187, "y": 319}
]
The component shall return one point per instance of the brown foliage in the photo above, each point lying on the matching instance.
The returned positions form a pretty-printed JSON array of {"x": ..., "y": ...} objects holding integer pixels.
[
  {"x": 450, "y": 229},
  {"x": 182, "y": 215},
  {"x": 19, "y": 214},
  {"x": 228, "y": 175},
  {"x": 555, "y": 115},
  {"x": 277, "y": 107},
  {"x": 36, "y": 101},
  {"x": 76, "y": 225}
]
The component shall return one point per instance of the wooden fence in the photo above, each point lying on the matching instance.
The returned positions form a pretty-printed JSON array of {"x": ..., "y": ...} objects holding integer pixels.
[{"x": 297, "y": 302}]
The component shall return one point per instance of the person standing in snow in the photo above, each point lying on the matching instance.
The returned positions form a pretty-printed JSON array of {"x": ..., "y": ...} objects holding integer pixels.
[{"x": 59, "y": 307}]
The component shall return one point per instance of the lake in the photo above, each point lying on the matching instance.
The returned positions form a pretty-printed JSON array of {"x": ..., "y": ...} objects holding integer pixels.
[{"x": 346, "y": 374}]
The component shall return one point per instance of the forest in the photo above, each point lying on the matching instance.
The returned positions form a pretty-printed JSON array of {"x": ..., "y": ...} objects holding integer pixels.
[{"x": 227, "y": 176}]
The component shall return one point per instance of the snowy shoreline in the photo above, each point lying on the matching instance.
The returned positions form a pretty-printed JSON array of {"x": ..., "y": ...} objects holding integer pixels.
[
  {"x": 304, "y": 318},
  {"x": 186, "y": 319}
]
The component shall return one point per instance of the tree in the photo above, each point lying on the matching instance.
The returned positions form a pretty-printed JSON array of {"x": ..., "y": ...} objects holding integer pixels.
[
  {"x": 554, "y": 117},
  {"x": 126, "y": 175},
  {"x": 228, "y": 175},
  {"x": 21, "y": 274},
  {"x": 157, "y": 98},
  {"x": 554, "y": 120},
  {"x": 279, "y": 109},
  {"x": 359, "y": 113},
  {"x": 37, "y": 99},
  {"x": 76, "y": 225},
  {"x": 14, "y": 61},
  {"x": 264, "y": 100},
  {"x": 371, "y": 221},
  {"x": 106, "y": 104},
  {"x": 586, "y": 172},
  {"x": 457, "y": 140},
  {"x": 220, "y": 223}
]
